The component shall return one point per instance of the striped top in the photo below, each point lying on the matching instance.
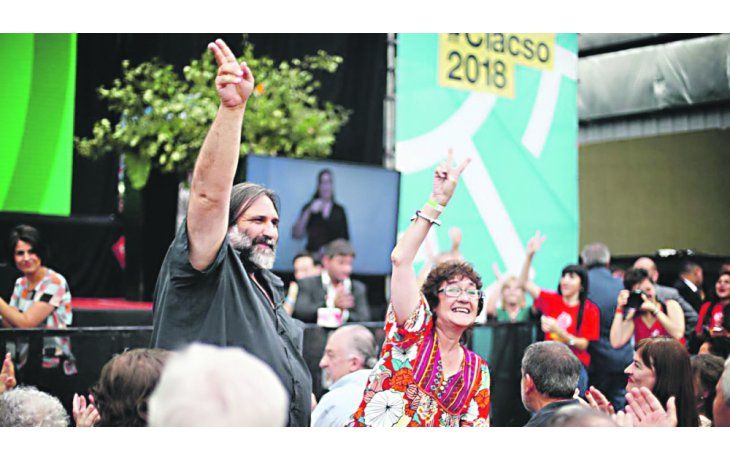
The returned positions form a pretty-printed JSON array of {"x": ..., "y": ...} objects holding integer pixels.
[{"x": 52, "y": 289}]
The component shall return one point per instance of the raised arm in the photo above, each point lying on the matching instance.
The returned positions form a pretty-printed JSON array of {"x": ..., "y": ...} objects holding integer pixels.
[
  {"x": 404, "y": 286},
  {"x": 622, "y": 328},
  {"x": 672, "y": 320},
  {"x": 491, "y": 306},
  {"x": 215, "y": 168},
  {"x": 299, "y": 229},
  {"x": 533, "y": 245}
]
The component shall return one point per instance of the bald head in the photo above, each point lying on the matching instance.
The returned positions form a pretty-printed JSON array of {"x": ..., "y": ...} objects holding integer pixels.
[
  {"x": 349, "y": 349},
  {"x": 647, "y": 264}
]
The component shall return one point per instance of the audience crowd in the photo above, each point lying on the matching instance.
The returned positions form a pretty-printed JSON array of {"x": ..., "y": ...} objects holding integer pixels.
[
  {"x": 615, "y": 347},
  {"x": 579, "y": 375}
]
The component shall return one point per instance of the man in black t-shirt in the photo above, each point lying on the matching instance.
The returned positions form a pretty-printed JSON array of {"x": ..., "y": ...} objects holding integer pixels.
[{"x": 215, "y": 285}]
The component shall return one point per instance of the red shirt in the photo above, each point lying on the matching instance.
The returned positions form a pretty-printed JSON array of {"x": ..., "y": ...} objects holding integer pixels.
[
  {"x": 716, "y": 316},
  {"x": 551, "y": 304},
  {"x": 642, "y": 331}
]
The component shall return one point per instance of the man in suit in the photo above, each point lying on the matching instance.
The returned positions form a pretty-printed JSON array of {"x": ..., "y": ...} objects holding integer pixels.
[
  {"x": 664, "y": 293},
  {"x": 689, "y": 284},
  {"x": 333, "y": 290},
  {"x": 607, "y": 363}
]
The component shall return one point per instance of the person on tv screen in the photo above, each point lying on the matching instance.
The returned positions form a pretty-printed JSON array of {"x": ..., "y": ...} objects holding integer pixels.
[{"x": 322, "y": 219}]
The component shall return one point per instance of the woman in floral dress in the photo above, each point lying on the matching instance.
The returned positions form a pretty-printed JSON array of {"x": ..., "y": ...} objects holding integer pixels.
[{"x": 425, "y": 375}]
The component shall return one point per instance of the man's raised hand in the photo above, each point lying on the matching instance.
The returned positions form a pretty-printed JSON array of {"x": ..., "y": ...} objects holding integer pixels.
[
  {"x": 445, "y": 178},
  {"x": 235, "y": 81}
]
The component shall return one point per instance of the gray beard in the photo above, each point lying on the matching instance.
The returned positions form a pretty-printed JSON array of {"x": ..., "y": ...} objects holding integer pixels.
[{"x": 264, "y": 258}]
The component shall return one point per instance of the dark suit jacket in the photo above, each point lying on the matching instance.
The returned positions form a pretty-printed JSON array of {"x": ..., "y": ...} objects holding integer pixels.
[
  {"x": 312, "y": 296},
  {"x": 603, "y": 290},
  {"x": 689, "y": 295}
]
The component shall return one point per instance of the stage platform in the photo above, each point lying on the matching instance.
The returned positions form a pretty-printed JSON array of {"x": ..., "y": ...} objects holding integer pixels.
[{"x": 103, "y": 312}]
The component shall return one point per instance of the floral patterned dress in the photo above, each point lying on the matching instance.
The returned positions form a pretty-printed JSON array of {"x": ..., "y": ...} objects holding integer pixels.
[{"x": 407, "y": 388}]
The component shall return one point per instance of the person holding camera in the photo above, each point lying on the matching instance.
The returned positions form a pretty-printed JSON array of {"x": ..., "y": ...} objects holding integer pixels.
[{"x": 639, "y": 314}]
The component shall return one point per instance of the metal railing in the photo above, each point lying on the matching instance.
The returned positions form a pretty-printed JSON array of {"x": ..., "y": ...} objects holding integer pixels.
[{"x": 500, "y": 344}]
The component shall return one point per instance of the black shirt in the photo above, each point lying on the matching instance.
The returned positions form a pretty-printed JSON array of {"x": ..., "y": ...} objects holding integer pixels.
[
  {"x": 222, "y": 306},
  {"x": 543, "y": 416},
  {"x": 321, "y": 231}
]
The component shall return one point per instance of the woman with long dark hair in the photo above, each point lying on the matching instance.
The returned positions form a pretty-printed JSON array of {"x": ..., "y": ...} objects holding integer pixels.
[
  {"x": 567, "y": 316},
  {"x": 321, "y": 220},
  {"x": 706, "y": 370},
  {"x": 662, "y": 365}
]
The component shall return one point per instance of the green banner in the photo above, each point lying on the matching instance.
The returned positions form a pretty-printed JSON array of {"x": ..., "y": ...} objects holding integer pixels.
[
  {"x": 508, "y": 101},
  {"x": 37, "y": 90}
]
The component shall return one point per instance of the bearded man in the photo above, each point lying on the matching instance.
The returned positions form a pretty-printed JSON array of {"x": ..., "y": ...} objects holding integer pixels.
[{"x": 215, "y": 285}]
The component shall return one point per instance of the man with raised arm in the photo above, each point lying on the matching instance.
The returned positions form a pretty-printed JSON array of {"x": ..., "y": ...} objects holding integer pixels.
[{"x": 215, "y": 285}]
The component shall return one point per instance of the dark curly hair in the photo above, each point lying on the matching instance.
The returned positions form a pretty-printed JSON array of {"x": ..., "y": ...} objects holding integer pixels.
[
  {"x": 125, "y": 384},
  {"x": 447, "y": 271}
]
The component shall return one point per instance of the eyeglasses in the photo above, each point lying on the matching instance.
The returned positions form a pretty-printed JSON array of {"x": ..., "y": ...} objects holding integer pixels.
[{"x": 455, "y": 291}]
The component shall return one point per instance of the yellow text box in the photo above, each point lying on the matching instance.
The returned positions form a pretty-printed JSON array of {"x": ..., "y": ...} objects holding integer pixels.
[{"x": 485, "y": 61}]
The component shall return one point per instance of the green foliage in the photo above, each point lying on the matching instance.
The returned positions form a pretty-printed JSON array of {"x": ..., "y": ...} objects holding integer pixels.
[{"x": 163, "y": 117}]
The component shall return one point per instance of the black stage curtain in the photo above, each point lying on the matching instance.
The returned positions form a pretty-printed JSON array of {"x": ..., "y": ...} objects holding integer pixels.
[{"x": 79, "y": 248}]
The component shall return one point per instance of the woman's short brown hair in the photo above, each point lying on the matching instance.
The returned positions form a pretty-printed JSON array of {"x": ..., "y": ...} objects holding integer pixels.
[
  {"x": 447, "y": 271},
  {"x": 125, "y": 384}
]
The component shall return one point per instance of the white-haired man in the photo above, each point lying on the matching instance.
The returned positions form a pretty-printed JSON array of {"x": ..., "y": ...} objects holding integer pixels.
[
  {"x": 28, "y": 406},
  {"x": 215, "y": 285},
  {"x": 211, "y": 386},
  {"x": 349, "y": 356}
]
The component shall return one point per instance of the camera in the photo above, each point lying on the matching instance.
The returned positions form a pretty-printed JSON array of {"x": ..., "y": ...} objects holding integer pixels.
[{"x": 635, "y": 300}]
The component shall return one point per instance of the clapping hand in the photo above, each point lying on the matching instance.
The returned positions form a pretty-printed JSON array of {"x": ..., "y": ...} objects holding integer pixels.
[
  {"x": 235, "y": 81},
  {"x": 645, "y": 410},
  {"x": 598, "y": 401},
  {"x": 85, "y": 415},
  {"x": 445, "y": 178},
  {"x": 549, "y": 324},
  {"x": 7, "y": 374},
  {"x": 343, "y": 299}
]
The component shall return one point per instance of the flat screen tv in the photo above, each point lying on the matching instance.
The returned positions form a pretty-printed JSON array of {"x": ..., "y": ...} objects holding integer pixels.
[{"x": 365, "y": 208}]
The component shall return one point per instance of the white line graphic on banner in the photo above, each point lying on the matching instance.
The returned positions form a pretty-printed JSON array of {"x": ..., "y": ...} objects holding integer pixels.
[{"x": 543, "y": 109}]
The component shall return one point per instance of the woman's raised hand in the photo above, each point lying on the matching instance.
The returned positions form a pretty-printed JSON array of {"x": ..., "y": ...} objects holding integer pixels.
[
  {"x": 535, "y": 243},
  {"x": 235, "y": 81},
  {"x": 445, "y": 178}
]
